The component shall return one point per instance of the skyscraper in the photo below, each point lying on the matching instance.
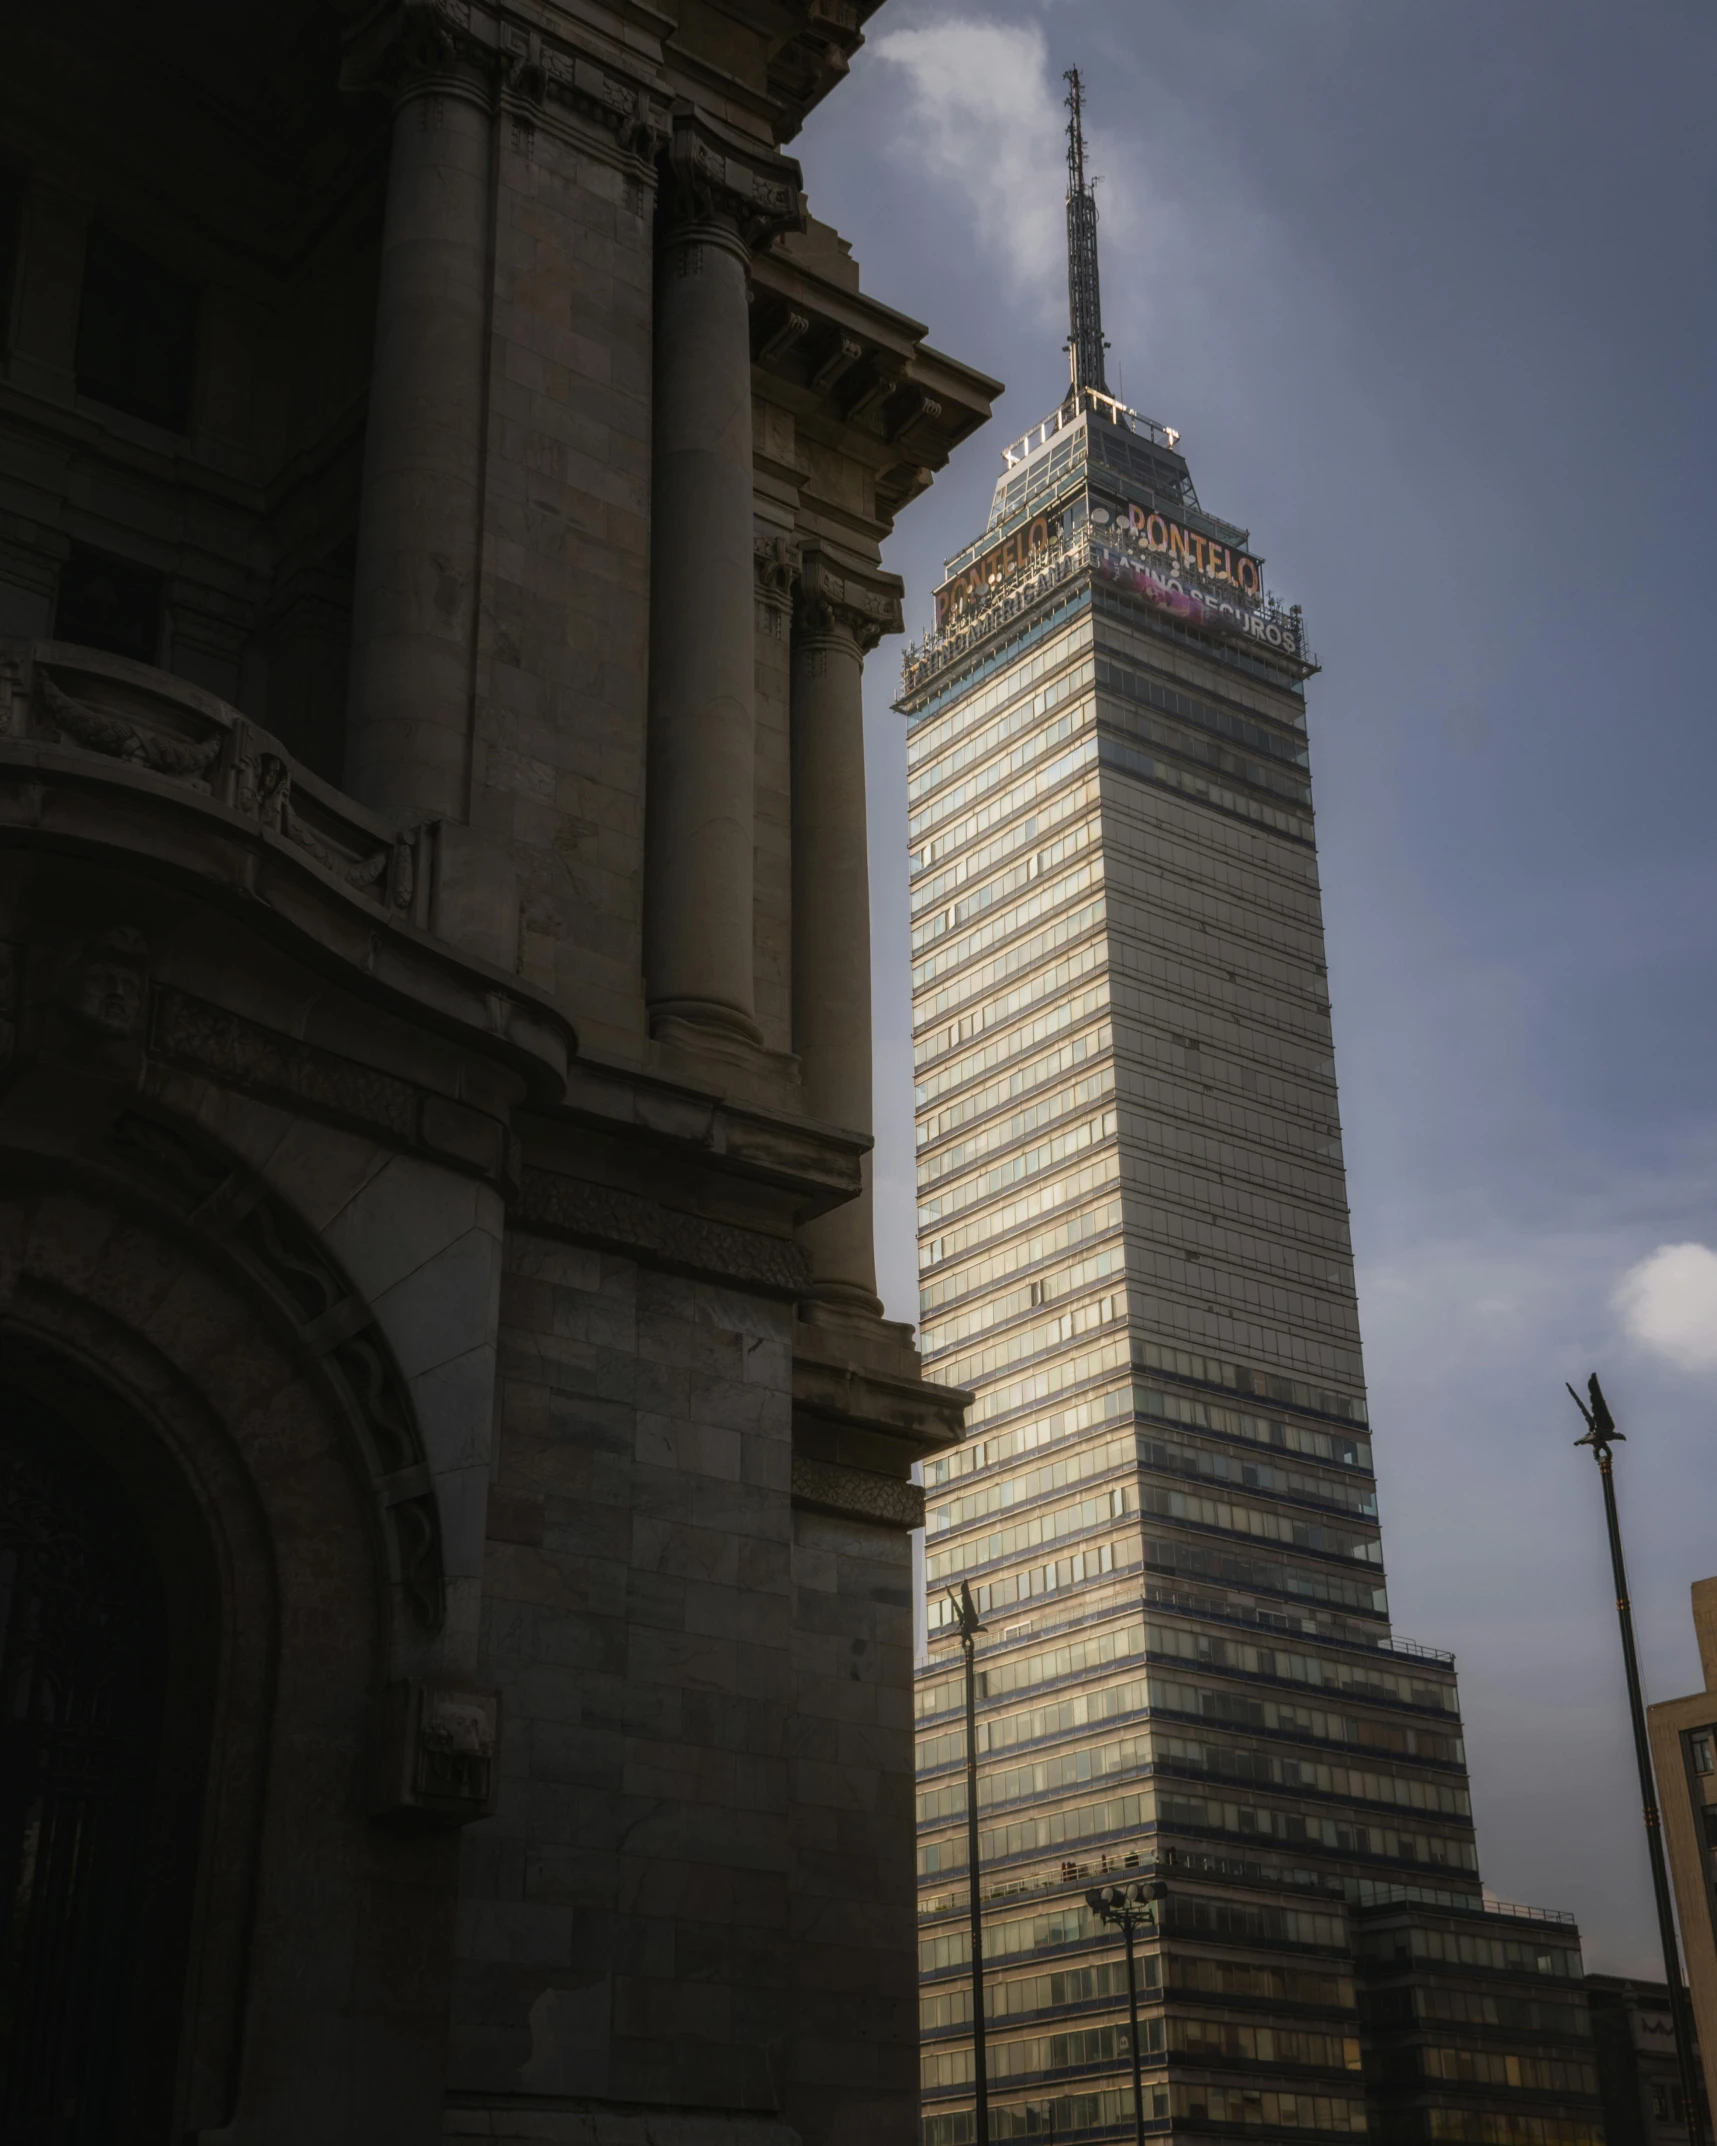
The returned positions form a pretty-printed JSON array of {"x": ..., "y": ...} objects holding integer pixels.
[{"x": 1134, "y": 1251}]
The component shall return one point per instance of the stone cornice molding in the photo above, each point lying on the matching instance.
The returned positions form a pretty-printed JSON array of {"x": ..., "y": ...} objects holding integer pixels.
[
  {"x": 822, "y": 1486},
  {"x": 836, "y": 602},
  {"x": 421, "y": 48},
  {"x": 720, "y": 186},
  {"x": 555, "y": 1205},
  {"x": 413, "y": 47}
]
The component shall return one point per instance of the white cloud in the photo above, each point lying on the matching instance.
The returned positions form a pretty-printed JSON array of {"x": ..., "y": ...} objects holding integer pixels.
[
  {"x": 1668, "y": 1304},
  {"x": 985, "y": 121}
]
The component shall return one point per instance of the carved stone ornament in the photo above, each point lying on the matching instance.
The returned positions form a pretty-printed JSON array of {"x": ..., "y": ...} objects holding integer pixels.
[
  {"x": 712, "y": 176},
  {"x": 239, "y": 1053},
  {"x": 777, "y": 565},
  {"x": 626, "y": 1222},
  {"x": 494, "y": 53},
  {"x": 436, "y": 1754},
  {"x": 834, "y": 601},
  {"x": 148, "y": 720},
  {"x": 856, "y": 1494},
  {"x": 104, "y": 982}
]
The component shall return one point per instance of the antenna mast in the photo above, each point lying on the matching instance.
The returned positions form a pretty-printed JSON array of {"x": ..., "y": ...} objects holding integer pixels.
[{"x": 1085, "y": 345}]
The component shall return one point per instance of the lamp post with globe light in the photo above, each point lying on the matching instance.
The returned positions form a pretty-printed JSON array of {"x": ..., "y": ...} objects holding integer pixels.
[{"x": 1130, "y": 1907}]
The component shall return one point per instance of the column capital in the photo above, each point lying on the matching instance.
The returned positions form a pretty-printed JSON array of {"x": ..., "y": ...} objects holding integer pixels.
[
  {"x": 414, "y": 48},
  {"x": 838, "y": 601},
  {"x": 719, "y": 184},
  {"x": 776, "y": 563}
]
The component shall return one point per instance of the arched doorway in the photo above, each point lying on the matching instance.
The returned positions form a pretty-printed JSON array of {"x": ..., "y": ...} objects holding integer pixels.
[{"x": 84, "y": 1673}]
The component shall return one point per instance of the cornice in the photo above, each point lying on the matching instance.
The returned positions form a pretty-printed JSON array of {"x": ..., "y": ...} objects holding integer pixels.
[
  {"x": 552, "y": 1203},
  {"x": 715, "y": 176},
  {"x": 834, "y": 597},
  {"x": 511, "y": 56}
]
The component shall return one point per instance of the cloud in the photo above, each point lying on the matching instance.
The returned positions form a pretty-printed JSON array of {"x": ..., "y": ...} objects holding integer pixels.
[
  {"x": 984, "y": 121},
  {"x": 1668, "y": 1304}
]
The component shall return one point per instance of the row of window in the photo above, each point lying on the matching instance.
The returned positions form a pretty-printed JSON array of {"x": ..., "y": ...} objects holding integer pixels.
[
  {"x": 1071, "y": 1922},
  {"x": 995, "y": 1094},
  {"x": 964, "y": 795},
  {"x": 1027, "y": 1342},
  {"x": 1018, "y": 959},
  {"x": 1147, "y": 687},
  {"x": 1037, "y": 864},
  {"x": 1027, "y": 1036},
  {"x": 1185, "y": 745},
  {"x": 1129, "y": 760},
  {"x": 1063, "y": 1989},
  {"x": 1463, "y": 1948},
  {"x": 1001, "y": 1222},
  {"x": 1234, "y": 1517},
  {"x": 928, "y": 735},
  {"x": 1017, "y": 1168},
  {"x": 1216, "y": 1561},
  {"x": 936, "y": 905},
  {"x": 1035, "y": 1483},
  {"x": 1005, "y": 1132},
  {"x": 1205, "y": 2040},
  {"x": 1191, "y": 876},
  {"x": 929, "y": 774},
  {"x": 1029, "y": 1534},
  {"x": 1497, "y": 2067},
  {"x": 1488, "y": 2127},
  {"x": 1100, "y": 1560},
  {"x": 1060, "y": 976},
  {"x": 1066, "y": 1373},
  {"x": 1033, "y": 1251},
  {"x": 1245, "y": 1474},
  {"x": 1050, "y": 895},
  {"x": 974, "y": 1454},
  {"x": 1087, "y": 1273},
  {"x": 1285, "y": 703},
  {"x": 1339, "y": 1448},
  {"x": 1351, "y": 1675},
  {"x": 1162, "y": 1695},
  {"x": 1157, "y": 1745},
  {"x": 1355, "y": 1674},
  {"x": 1020, "y": 797}
]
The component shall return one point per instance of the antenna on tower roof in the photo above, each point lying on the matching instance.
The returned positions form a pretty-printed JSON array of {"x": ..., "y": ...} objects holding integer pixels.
[{"x": 1085, "y": 344}]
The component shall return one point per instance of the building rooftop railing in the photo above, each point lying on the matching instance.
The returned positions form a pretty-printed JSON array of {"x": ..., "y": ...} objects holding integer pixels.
[{"x": 1068, "y": 413}]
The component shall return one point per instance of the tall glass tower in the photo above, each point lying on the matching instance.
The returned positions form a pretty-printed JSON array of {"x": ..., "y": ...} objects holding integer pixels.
[{"x": 1134, "y": 1251}]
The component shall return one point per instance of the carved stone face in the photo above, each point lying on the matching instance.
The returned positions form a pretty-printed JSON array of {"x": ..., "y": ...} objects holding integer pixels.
[{"x": 103, "y": 983}]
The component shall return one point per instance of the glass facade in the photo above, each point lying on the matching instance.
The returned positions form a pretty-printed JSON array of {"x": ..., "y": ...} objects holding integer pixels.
[{"x": 1134, "y": 1252}]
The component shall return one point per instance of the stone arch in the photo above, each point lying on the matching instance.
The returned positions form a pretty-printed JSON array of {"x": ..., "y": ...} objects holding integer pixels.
[{"x": 165, "y": 1297}]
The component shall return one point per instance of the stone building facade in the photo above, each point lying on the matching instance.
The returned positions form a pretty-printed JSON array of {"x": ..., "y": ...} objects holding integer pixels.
[{"x": 454, "y": 1471}]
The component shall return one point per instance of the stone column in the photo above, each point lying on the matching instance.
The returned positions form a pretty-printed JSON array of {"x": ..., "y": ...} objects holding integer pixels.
[
  {"x": 408, "y": 733},
  {"x": 839, "y": 621},
  {"x": 720, "y": 197}
]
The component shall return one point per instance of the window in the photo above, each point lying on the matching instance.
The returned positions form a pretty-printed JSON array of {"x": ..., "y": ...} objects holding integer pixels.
[
  {"x": 108, "y": 603},
  {"x": 1700, "y": 1745},
  {"x": 137, "y": 333}
]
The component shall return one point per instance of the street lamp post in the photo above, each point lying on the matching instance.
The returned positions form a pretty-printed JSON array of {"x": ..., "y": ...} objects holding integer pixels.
[
  {"x": 1601, "y": 1434},
  {"x": 1130, "y": 1907},
  {"x": 966, "y": 1618}
]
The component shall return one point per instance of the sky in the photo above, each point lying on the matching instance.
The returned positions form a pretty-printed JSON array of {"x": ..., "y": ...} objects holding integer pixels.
[{"x": 1428, "y": 292}]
